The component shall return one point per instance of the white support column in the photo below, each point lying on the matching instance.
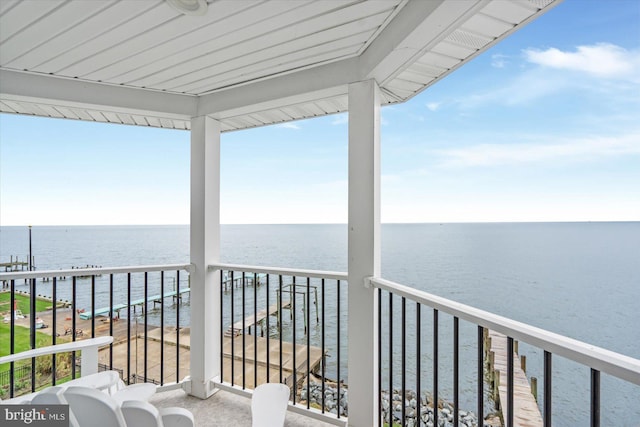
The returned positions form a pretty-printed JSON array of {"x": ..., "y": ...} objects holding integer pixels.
[
  {"x": 364, "y": 250},
  {"x": 205, "y": 250}
]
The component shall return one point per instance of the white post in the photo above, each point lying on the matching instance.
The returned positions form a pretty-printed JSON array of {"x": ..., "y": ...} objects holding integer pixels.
[
  {"x": 364, "y": 250},
  {"x": 205, "y": 250},
  {"x": 89, "y": 361}
]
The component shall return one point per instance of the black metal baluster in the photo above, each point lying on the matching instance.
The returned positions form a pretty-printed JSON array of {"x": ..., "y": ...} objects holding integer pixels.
[
  {"x": 54, "y": 317},
  {"x": 244, "y": 303},
  {"x": 510, "y": 414},
  {"x": 145, "y": 312},
  {"x": 233, "y": 333},
  {"x": 93, "y": 306},
  {"x": 456, "y": 373},
  {"x": 390, "y": 359},
  {"x": 162, "y": 326},
  {"x": 255, "y": 330},
  {"x": 178, "y": 300},
  {"x": 418, "y": 367},
  {"x": 280, "y": 321},
  {"x": 480, "y": 373},
  {"x": 32, "y": 322},
  {"x": 12, "y": 342},
  {"x": 309, "y": 345},
  {"x": 293, "y": 351},
  {"x": 221, "y": 326},
  {"x": 595, "y": 398},
  {"x": 110, "y": 319},
  {"x": 547, "y": 389},
  {"x": 338, "y": 344},
  {"x": 267, "y": 326},
  {"x": 322, "y": 338},
  {"x": 379, "y": 354},
  {"x": 404, "y": 360},
  {"x": 435, "y": 367},
  {"x": 73, "y": 324},
  {"x": 129, "y": 329}
]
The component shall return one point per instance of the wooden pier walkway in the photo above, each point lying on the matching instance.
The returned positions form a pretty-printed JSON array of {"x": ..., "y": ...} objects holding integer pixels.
[
  {"x": 253, "y": 366},
  {"x": 526, "y": 411},
  {"x": 249, "y": 321},
  {"x": 258, "y": 366},
  {"x": 155, "y": 299}
]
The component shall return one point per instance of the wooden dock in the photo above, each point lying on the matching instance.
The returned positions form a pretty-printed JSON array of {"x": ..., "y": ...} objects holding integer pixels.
[
  {"x": 236, "y": 282},
  {"x": 526, "y": 411},
  {"x": 258, "y": 366},
  {"x": 155, "y": 299},
  {"x": 238, "y": 327},
  {"x": 254, "y": 367}
]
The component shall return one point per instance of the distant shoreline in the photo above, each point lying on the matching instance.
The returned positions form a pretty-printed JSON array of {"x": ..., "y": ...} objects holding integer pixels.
[{"x": 334, "y": 223}]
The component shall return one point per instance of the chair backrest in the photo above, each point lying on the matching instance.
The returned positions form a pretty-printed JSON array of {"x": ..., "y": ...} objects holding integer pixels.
[
  {"x": 94, "y": 408},
  {"x": 140, "y": 414},
  {"x": 54, "y": 396},
  {"x": 177, "y": 417},
  {"x": 269, "y": 405}
]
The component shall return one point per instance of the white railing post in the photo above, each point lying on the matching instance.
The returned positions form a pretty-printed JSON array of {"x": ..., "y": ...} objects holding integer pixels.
[
  {"x": 205, "y": 250},
  {"x": 364, "y": 250}
]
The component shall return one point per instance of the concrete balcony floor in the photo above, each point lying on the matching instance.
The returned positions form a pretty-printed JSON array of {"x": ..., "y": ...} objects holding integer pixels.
[{"x": 223, "y": 409}]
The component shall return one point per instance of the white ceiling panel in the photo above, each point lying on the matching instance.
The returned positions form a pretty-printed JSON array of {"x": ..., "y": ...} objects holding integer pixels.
[
  {"x": 31, "y": 37},
  {"x": 6, "y": 5},
  {"x": 6, "y": 108},
  {"x": 24, "y": 15},
  {"x": 246, "y": 62},
  {"x": 154, "y": 44},
  {"x": 333, "y": 50},
  {"x": 114, "y": 25},
  {"x": 487, "y": 25},
  {"x": 258, "y": 54},
  {"x": 509, "y": 10},
  {"x": 453, "y": 50}
]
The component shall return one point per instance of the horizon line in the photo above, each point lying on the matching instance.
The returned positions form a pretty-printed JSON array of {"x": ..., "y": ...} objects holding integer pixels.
[{"x": 334, "y": 223}]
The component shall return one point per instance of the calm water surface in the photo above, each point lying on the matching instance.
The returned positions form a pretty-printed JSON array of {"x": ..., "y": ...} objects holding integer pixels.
[{"x": 577, "y": 279}]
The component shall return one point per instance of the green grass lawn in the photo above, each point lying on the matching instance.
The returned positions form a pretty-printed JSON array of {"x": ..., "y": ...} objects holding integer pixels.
[
  {"x": 21, "y": 341},
  {"x": 23, "y": 303},
  {"x": 43, "y": 363}
]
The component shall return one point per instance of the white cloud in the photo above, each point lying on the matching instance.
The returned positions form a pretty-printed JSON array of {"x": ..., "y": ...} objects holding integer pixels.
[
  {"x": 601, "y": 60},
  {"x": 572, "y": 150},
  {"x": 433, "y": 106},
  {"x": 288, "y": 125},
  {"x": 498, "y": 60},
  {"x": 521, "y": 90},
  {"x": 602, "y": 68},
  {"x": 340, "y": 119}
]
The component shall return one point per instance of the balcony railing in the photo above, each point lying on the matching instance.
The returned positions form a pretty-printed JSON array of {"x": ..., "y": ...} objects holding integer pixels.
[
  {"x": 302, "y": 337},
  {"x": 139, "y": 306},
  {"x": 410, "y": 307},
  {"x": 290, "y": 326}
]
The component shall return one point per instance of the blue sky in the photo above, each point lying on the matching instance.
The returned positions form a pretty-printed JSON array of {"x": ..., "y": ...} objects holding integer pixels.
[{"x": 545, "y": 126}]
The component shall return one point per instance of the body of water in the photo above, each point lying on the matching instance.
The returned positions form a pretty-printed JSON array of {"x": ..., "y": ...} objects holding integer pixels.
[{"x": 577, "y": 279}]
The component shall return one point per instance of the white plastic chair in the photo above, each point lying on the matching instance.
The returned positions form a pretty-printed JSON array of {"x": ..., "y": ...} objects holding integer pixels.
[
  {"x": 177, "y": 417},
  {"x": 269, "y": 405},
  {"x": 54, "y": 396},
  {"x": 140, "y": 414},
  {"x": 143, "y": 414},
  {"x": 92, "y": 407}
]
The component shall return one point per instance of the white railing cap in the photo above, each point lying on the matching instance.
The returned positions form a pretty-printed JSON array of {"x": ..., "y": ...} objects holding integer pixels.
[
  {"x": 58, "y": 348},
  {"x": 20, "y": 275},
  {"x": 319, "y": 274}
]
